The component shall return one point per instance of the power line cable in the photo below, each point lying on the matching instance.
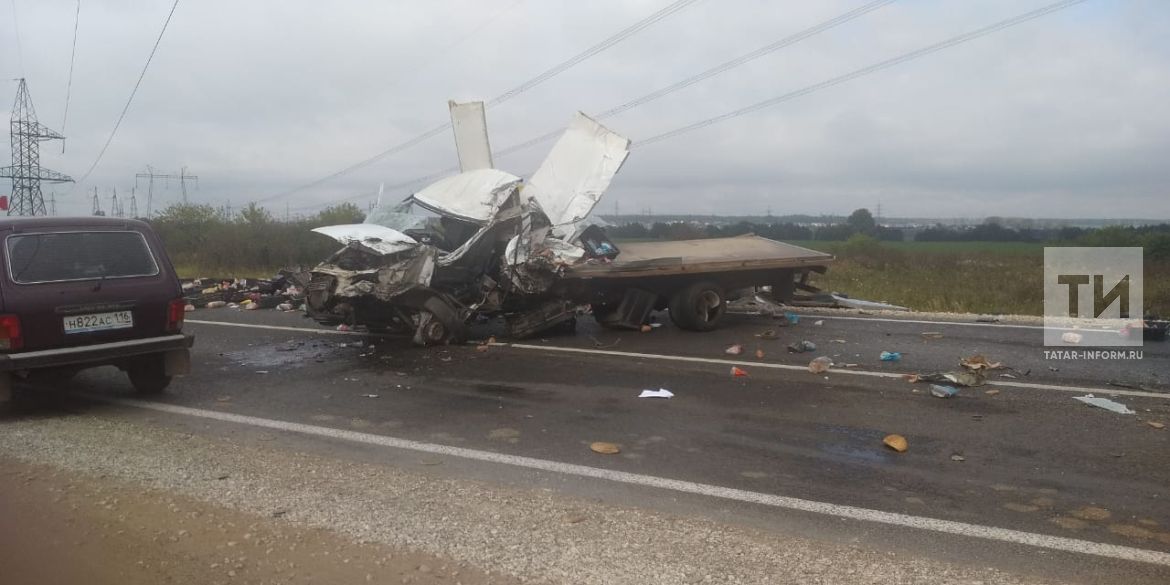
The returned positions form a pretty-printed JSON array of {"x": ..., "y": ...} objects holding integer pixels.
[
  {"x": 69, "y": 84},
  {"x": 689, "y": 81},
  {"x": 905, "y": 57},
  {"x": 561, "y": 67},
  {"x": 956, "y": 40},
  {"x": 132, "y": 93}
]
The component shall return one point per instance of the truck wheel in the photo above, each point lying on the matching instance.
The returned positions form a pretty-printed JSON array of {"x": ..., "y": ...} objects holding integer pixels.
[
  {"x": 149, "y": 376},
  {"x": 698, "y": 307}
]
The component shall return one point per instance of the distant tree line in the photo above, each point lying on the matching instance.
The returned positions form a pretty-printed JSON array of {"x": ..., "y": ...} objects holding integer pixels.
[
  {"x": 1154, "y": 238},
  {"x": 211, "y": 242}
]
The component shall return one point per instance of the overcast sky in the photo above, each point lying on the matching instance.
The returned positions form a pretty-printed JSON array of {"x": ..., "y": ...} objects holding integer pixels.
[{"x": 1064, "y": 116}]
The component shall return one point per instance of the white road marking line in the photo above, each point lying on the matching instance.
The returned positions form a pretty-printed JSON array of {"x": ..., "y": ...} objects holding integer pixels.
[
  {"x": 920, "y": 321},
  {"x": 680, "y": 358},
  {"x": 283, "y": 328},
  {"x": 783, "y": 502},
  {"x": 849, "y": 371}
]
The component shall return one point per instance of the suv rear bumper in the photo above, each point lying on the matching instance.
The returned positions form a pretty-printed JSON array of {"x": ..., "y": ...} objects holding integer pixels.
[{"x": 96, "y": 354}]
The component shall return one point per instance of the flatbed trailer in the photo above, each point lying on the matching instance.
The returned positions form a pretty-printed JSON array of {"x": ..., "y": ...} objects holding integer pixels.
[{"x": 694, "y": 279}]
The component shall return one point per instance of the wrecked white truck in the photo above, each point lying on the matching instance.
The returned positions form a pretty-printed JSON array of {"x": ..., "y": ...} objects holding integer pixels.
[{"x": 485, "y": 243}]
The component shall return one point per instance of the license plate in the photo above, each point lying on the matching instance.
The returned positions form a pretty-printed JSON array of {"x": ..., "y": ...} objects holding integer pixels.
[{"x": 98, "y": 322}]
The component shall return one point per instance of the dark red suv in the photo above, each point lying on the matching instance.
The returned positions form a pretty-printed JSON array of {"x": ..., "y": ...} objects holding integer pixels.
[{"x": 81, "y": 292}]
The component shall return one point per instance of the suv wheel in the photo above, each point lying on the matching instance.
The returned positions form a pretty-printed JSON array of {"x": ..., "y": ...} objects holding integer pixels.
[{"x": 149, "y": 375}]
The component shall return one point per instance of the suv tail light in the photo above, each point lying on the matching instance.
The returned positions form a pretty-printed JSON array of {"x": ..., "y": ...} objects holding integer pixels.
[
  {"x": 175, "y": 312},
  {"x": 10, "y": 335}
]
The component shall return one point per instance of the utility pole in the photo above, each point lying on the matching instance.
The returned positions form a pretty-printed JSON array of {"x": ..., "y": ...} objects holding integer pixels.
[
  {"x": 97, "y": 203},
  {"x": 150, "y": 176},
  {"x": 25, "y": 135},
  {"x": 115, "y": 209}
]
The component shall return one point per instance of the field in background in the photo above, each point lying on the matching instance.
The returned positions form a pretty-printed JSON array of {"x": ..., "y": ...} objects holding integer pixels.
[{"x": 967, "y": 277}]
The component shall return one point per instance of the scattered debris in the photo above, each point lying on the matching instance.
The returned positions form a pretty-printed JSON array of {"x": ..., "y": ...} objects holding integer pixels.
[
  {"x": 957, "y": 457},
  {"x": 598, "y": 344},
  {"x": 792, "y": 318},
  {"x": 802, "y": 347},
  {"x": 991, "y": 392},
  {"x": 759, "y": 354},
  {"x": 369, "y": 395},
  {"x": 738, "y": 372},
  {"x": 890, "y": 356},
  {"x": 932, "y": 335},
  {"x": 734, "y": 349},
  {"x": 343, "y": 327},
  {"x": 836, "y": 341},
  {"x": 978, "y": 362},
  {"x": 216, "y": 304},
  {"x": 967, "y": 378},
  {"x": 767, "y": 334},
  {"x": 188, "y": 308},
  {"x": 1155, "y": 424},
  {"x": 1105, "y": 403},
  {"x": 647, "y": 329},
  {"x": 1012, "y": 376},
  {"x": 605, "y": 448},
  {"x": 818, "y": 322},
  {"x": 939, "y": 391},
  {"x": 820, "y": 365},
  {"x": 659, "y": 393},
  {"x": 987, "y": 319},
  {"x": 896, "y": 442},
  {"x": 1071, "y": 337}
]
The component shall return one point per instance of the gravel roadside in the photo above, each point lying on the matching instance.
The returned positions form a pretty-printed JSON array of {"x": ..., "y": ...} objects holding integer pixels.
[{"x": 536, "y": 536}]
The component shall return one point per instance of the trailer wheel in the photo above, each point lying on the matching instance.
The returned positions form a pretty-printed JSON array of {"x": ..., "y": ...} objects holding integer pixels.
[{"x": 698, "y": 307}]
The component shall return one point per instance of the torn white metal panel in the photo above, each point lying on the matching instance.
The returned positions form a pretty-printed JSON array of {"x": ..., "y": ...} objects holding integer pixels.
[
  {"x": 375, "y": 238},
  {"x": 471, "y": 137},
  {"x": 473, "y": 196},
  {"x": 577, "y": 171}
]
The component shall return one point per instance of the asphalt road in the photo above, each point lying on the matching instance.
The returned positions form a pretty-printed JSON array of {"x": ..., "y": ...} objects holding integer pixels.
[{"x": 1018, "y": 456}]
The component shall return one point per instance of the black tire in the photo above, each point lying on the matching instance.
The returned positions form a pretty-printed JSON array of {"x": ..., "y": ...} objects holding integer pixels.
[
  {"x": 149, "y": 375},
  {"x": 698, "y": 307}
]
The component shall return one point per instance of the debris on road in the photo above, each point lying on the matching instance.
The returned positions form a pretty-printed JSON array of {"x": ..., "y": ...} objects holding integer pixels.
[
  {"x": 802, "y": 347},
  {"x": 605, "y": 448},
  {"x": 1071, "y": 337},
  {"x": 896, "y": 442},
  {"x": 1107, "y": 404},
  {"x": 890, "y": 356},
  {"x": 759, "y": 354},
  {"x": 659, "y": 393},
  {"x": 992, "y": 392},
  {"x": 968, "y": 378},
  {"x": 792, "y": 318},
  {"x": 939, "y": 391},
  {"x": 932, "y": 335},
  {"x": 599, "y": 345},
  {"x": 734, "y": 349},
  {"x": 957, "y": 457},
  {"x": 767, "y": 334},
  {"x": 369, "y": 395},
  {"x": 818, "y": 322},
  {"x": 979, "y": 362},
  {"x": 738, "y": 372},
  {"x": 216, "y": 304},
  {"x": 820, "y": 365},
  {"x": 987, "y": 319},
  {"x": 647, "y": 329},
  {"x": 1155, "y": 424}
]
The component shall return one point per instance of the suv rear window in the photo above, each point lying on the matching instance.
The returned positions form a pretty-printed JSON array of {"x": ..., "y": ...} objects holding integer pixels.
[{"x": 60, "y": 256}]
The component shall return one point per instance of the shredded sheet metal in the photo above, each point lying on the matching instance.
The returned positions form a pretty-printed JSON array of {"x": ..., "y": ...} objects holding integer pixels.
[
  {"x": 471, "y": 137},
  {"x": 577, "y": 171},
  {"x": 473, "y": 196},
  {"x": 375, "y": 238}
]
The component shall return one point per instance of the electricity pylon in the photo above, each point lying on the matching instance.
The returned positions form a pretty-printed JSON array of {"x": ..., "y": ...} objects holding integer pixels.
[{"x": 26, "y": 134}]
